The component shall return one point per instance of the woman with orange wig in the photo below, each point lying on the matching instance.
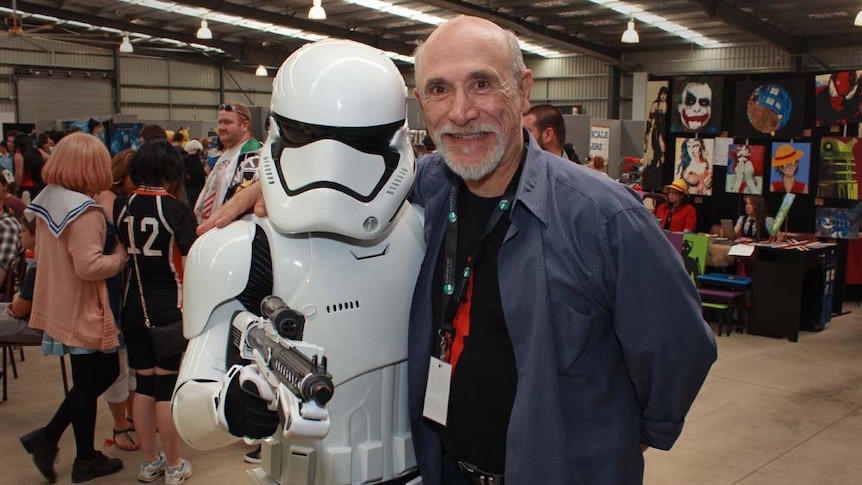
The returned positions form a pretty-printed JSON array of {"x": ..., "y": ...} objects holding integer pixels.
[{"x": 70, "y": 300}]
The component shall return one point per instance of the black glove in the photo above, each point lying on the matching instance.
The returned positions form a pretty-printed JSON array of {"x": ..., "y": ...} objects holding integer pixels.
[{"x": 246, "y": 406}]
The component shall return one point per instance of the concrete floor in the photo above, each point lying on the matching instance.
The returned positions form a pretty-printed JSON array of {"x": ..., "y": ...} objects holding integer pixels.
[{"x": 771, "y": 412}]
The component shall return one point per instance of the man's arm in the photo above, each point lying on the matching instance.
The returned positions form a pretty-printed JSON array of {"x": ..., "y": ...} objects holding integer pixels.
[
  {"x": 666, "y": 345},
  {"x": 239, "y": 204}
]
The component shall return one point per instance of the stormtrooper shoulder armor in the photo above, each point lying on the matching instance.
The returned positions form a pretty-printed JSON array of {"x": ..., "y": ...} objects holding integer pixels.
[{"x": 217, "y": 270}]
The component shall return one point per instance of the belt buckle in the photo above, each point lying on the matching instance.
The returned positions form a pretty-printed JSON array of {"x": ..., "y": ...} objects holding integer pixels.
[{"x": 479, "y": 476}]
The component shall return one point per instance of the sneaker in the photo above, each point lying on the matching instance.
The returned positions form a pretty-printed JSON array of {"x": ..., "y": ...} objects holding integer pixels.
[
  {"x": 253, "y": 456},
  {"x": 98, "y": 466},
  {"x": 44, "y": 452},
  {"x": 150, "y": 472},
  {"x": 178, "y": 475}
]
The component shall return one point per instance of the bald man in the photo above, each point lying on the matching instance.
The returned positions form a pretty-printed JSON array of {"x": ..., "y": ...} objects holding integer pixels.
[{"x": 540, "y": 348}]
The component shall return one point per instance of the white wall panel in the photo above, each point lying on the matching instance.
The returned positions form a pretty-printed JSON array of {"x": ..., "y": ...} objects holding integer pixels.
[
  {"x": 752, "y": 58},
  {"x": 136, "y": 95},
  {"x": 35, "y": 51},
  {"x": 143, "y": 71},
  {"x": 833, "y": 60},
  {"x": 194, "y": 75}
]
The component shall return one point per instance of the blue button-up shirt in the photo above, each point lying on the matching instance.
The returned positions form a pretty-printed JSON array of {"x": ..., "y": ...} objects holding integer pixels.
[{"x": 610, "y": 345}]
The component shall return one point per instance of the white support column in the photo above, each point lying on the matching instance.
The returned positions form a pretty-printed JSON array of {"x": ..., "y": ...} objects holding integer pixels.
[{"x": 639, "y": 101}]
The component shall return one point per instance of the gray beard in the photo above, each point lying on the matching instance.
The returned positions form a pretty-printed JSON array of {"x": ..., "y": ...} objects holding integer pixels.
[{"x": 472, "y": 173}]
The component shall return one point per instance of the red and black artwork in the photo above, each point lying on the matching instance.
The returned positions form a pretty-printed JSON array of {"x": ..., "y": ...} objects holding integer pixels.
[{"x": 838, "y": 98}]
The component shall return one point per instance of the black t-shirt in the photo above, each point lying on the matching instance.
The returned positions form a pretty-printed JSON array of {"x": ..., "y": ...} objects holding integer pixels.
[
  {"x": 485, "y": 378},
  {"x": 164, "y": 230}
]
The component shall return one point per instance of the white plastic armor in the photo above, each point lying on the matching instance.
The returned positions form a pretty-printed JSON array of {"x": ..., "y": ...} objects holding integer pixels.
[{"x": 345, "y": 251}]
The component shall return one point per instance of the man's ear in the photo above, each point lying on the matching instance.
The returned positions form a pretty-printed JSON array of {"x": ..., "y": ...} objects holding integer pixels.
[
  {"x": 417, "y": 96},
  {"x": 547, "y": 134},
  {"x": 526, "y": 86}
]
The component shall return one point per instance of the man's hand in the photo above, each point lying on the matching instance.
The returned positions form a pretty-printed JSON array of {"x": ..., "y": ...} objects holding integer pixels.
[{"x": 238, "y": 205}]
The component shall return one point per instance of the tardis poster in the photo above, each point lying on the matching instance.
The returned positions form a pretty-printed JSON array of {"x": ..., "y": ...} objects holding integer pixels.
[
  {"x": 839, "y": 172},
  {"x": 769, "y": 108},
  {"x": 838, "y": 99}
]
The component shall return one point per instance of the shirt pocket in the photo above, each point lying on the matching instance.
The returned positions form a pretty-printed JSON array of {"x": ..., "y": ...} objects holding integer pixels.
[{"x": 571, "y": 333}]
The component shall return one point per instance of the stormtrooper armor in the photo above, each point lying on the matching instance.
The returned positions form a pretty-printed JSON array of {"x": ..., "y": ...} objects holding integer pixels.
[{"x": 342, "y": 248}]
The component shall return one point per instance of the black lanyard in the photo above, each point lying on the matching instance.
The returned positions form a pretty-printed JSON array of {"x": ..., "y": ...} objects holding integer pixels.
[{"x": 454, "y": 286}]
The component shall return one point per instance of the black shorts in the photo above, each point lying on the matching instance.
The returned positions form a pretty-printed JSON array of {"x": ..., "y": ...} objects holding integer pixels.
[{"x": 142, "y": 354}]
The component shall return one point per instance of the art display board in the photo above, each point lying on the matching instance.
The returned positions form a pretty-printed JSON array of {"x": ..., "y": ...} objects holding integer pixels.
[
  {"x": 694, "y": 164},
  {"x": 745, "y": 169},
  {"x": 767, "y": 109},
  {"x": 839, "y": 173},
  {"x": 837, "y": 222},
  {"x": 838, "y": 98},
  {"x": 789, "y": 167},
  {"x": 697, "y": 104}
]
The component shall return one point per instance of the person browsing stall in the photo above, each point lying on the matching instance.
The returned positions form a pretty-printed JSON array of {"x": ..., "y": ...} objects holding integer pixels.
[{"x": 677, "y": 214}]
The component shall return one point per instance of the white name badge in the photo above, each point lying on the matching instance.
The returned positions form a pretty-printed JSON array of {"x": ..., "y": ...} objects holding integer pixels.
[{"x": 437, "y": 391}]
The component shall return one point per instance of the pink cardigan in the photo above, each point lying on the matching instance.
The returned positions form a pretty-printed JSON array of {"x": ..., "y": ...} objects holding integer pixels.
[{"x": 70, "y": 299}]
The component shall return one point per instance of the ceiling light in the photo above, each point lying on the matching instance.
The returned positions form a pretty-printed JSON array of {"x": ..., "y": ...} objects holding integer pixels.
[
  {"x": 630, "y": 36},
  {"x": 204, "y": 32},
  {"x": 126, "y": 46},
  {"x": 316, "y": 11},
  {"x": 655, "y": 20},
  {"x": 261, "y": 71},
  {"x": 858, "y": 21}
]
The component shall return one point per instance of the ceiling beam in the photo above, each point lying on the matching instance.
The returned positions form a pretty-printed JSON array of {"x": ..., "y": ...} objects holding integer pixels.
[
  {"x": 745, "y": 21},
  {"x": 532, "y": 30}
]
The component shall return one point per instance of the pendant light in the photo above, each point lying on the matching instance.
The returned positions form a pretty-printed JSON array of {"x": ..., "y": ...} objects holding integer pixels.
[{"x": 630, "y": 36}]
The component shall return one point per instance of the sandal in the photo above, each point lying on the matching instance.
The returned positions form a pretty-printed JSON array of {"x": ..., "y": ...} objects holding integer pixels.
[{"x": 129, "y": 444}]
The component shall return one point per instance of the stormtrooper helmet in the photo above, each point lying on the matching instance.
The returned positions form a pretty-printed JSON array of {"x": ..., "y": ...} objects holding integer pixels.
[{"x": 337, "y": 158}]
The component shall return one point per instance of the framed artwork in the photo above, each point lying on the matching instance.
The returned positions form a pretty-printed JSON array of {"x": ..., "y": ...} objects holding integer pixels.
[
  {"x": 745, "y": 169},
  {"x": 694, "y": 164},
  {"x": 655, "y": 134},
  {"x": 839, "y": 173},
  {"x": 694, "y": 251},
  {"x": 837, "y": 223},
  {"x": 838, "y": 99},
  {"x": 769, "y": 108},
  {"x": 790, "y": 164},
  {"x": 124, "y": 135},
  {"x": 781, "y": 213},
  {"x": 697, "y": 104}
]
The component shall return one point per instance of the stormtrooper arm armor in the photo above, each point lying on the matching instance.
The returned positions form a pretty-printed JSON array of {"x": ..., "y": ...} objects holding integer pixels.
[{"x": 218, "y": 264}]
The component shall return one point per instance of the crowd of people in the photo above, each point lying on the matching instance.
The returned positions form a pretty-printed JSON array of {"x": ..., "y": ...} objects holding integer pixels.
[{"x": 86, "y": 213}]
